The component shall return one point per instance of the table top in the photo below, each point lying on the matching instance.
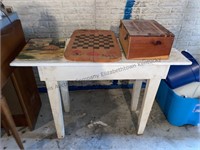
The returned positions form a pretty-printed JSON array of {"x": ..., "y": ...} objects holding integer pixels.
[{"x": 50, "y": 52}]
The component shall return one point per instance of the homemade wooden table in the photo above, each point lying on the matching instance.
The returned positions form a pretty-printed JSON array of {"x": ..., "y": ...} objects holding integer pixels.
[{"x": 55, "y": 70}]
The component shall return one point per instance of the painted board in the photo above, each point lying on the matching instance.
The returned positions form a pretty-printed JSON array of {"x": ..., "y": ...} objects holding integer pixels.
[
  {"x": 93, "y": 46},
  {"x": 43, "y": 49}
]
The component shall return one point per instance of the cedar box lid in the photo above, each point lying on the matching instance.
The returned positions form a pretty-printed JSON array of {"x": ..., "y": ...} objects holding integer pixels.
[{"x": 146, "y": 28}]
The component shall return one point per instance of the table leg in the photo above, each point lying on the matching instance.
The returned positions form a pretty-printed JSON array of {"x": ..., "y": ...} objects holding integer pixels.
[
  {"x": 65, "y": 95},
  {"x": 148, "y": 99},
  {"x": 56, "y": 107},
  {"x": 136, "y": 94}
]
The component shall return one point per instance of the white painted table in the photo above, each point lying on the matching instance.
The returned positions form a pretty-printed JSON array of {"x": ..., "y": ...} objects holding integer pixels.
[{"x": 55, "y": 70}]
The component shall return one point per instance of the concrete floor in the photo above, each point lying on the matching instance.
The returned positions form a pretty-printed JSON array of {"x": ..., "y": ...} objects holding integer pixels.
[{"x": 112, "y": 108}]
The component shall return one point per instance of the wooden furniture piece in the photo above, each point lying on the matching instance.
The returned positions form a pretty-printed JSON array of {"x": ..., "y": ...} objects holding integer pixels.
[
  {"x": 6, "y": 117},
  {"x": 145, "y": 39},
  {"x": 56, "y": 71},
  {"x": 94, "y": 46},
  {"x": 12, "y": 42}
]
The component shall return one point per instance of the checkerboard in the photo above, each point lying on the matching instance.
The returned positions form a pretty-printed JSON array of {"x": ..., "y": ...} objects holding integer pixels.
[{"x": 93, "y": 45}]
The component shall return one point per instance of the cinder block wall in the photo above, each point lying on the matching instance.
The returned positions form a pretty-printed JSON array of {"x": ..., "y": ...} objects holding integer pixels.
[{"x": 59, "y": 18}]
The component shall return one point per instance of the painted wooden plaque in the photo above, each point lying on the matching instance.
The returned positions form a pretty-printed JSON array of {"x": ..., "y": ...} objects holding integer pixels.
[{"x": 43, "y": 49}]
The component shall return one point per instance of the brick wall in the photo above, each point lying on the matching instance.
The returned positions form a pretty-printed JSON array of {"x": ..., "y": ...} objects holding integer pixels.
[{"x": 59, "y": 18}]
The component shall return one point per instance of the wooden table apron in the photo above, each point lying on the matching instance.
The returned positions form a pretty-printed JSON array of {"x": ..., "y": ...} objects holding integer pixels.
[{"x": 55, "y": 70}]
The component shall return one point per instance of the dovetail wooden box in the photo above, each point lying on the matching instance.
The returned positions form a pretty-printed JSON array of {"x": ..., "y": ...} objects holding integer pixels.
[{"x": 145, "y": 39}]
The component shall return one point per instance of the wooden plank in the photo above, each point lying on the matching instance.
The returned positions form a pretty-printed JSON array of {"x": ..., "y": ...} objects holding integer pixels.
[
  {"x": 146, "y": 28},
  {"x": 167, "y": 32}
]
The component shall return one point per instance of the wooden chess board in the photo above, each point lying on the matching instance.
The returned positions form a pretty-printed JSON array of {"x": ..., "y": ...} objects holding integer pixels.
[{"x": 93, "y": 45}]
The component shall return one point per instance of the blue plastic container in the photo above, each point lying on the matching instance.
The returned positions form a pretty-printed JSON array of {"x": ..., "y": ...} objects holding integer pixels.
[
  {"x": 181, "y": 75},
  {"x": 177, "y": 109}
]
